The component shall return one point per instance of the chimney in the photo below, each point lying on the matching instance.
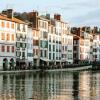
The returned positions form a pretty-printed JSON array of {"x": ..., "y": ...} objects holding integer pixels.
[
  {"x": 4, "y": 12},
  {"x": 32, "y": 16},
  {"x": 8, "y": 12},
  {"x": 57, "y": 17},
  {"x": 48, "y": 16}
]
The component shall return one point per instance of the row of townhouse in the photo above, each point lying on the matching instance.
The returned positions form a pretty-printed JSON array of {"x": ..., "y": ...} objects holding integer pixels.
[
  {"x": 52, "y": 40},
  {"x": 42, "y": 40},
  {"x": 86, "y": 44},
  {"x": 13, "y": 32},
  {"x": 45, "y": 40}
]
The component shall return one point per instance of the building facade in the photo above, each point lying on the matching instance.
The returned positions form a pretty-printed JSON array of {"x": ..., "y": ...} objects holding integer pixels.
[
  {"x": 30, "y": 46},
  {"x": 45, "y": 41},
  {"x": 82, "y": 44},
  {"x": 7, "y": 42},
  {"x": 96, "y": 45},
  {"x": 21, "y": 43},
  {"x": 36, "y": 48}
]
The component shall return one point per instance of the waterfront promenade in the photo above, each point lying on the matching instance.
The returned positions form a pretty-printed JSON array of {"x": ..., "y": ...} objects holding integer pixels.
[{"x": 48, "y": 70}]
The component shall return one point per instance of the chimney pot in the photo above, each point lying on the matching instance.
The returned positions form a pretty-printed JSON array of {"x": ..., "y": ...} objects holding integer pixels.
[{"x": 57, "y": 17}]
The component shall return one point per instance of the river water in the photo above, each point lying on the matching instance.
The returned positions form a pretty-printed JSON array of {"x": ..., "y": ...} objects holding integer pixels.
[{"x": 83, "y": 85}]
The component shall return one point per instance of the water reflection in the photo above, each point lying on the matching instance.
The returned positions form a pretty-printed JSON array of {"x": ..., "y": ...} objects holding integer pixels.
[{"x": 50, "y": 86}]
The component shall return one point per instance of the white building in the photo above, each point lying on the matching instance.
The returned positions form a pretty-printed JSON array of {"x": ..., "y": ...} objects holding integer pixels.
[
  {"x": 52, "y": 45},
  {"x": 21, "y": 43},
  {"x": 7, "y": 42},
  {"x": 58, "y": 45},
  {"x": 67, "y": 44},
  {"x": 36, "y": 53},
  {"x": 69, "y": 49},
  {"x": 43, "y": 40},
  {"x": 85, "y": 44},
  {"x": 30, "y": 46},
  {"x": 64, "y": 41},
  {"x": 96, "y": 47},
  {"x": 82, "y": 44}
]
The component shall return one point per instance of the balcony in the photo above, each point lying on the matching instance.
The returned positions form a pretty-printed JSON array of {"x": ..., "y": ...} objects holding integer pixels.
[{"x": 23, "y": 48}]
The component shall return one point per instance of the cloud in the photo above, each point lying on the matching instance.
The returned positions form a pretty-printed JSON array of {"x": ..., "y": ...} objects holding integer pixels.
[
  {"x": 72, "y": 11},
  {"x": 90, "y": 18}
]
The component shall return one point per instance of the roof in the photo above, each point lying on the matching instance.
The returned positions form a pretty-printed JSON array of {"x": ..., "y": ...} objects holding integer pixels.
[
  {"x": 18, "y": 20},
  {"x": 43, "y": 18},
  {"x": 4, "y": 17},
  {"x": 60, "y": 21}
]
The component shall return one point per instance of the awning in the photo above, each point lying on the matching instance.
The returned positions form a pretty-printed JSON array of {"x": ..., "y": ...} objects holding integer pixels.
[
  {"x": 44, "y": 59},
  {"x": 63, "y": 61}
]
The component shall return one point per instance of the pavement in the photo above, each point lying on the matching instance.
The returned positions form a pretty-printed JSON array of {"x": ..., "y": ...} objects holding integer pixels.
[{"x": 49, "y": 70}]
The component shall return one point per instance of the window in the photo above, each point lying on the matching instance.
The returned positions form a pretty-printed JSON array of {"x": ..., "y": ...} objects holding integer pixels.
[
  {"x": 7, "y": 24},
  {"x": 2, "y": 36},
  {"x": 36, "y": 51},
  {"x": 49, "y": 55},
  {"x": 81, "y": 56},
  {"x": 23, "y": 45},
  {"x": 81, "y": 42},
  {"x": 81, "y": 49},
  {"x": 76, "y": 48},
  {"x": 18, "y": 37},
  {"x": 18, "y": 44},
  {"x": 95, "y": 56},
  {"x": 45, "y": 35},
  {"x": 33, "y": 51},
  {"x": 13, "y": 49},
  {"x": 49, "y": 47},
  {"x": 12, "y": 37},
  {"x": 41, "y": 53},
  {"x": 53, "y": 56},
  {"x": 35, "y": 42},
  {"x": 18, "y": 54},
  {"x": 94, "y": 50},
  {"x": 8, "y": 37},
  {"x": 69, "y": 56},
  {"x": 12, "y": 25},
  {"x": 34, "y": 33},
  {"x": 45, "y": 53},
  {"x": 18, "y": 27},
  {"x": 23, "y": 37},
  {"x": 50, "y": 38},
  {"x": 37, "y": 34},
  {"x": 8, "y": 48},
  {"x": 53, "y": 47},
  {"x": 51, "y": 29},
  {"x": 23, "y": 28},
  {"x": 3, "y": 48},
  {"x": 29, "y": 54},
  {"x": 23, "y": 54},
  {"x": 2, "y": 24},
  {"x": 70, "y": 42},
  {"x": 65, "y": 48},
  {"x": 69, "y": 50}
]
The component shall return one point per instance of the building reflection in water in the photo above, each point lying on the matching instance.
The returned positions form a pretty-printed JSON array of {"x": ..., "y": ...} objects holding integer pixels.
[
  {"x": 89, "y": 85},
  {"x": 50, "y": 86},
  {"x": 76, "y": 86},
  {"x": 84, "y": 85}
]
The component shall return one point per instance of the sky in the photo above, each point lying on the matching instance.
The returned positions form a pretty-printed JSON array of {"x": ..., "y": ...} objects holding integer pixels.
[{"x": 74, "y": 12}]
